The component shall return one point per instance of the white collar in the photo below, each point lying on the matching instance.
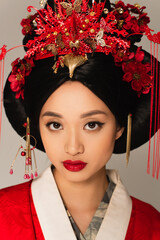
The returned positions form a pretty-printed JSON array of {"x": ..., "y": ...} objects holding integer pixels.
[
  {"x": 53, "y": 218},
  {"x": 116, "y": 220}
]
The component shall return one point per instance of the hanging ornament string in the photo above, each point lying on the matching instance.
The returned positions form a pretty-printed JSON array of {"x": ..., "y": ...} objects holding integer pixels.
[
  {"x": 129, "y": 131},
  {"x": 155, "y": 98},
  {"x": 155, "y": 118},
  {"x": 155, "y": 157},
  {"x": 2, "y": 60},
  {"x": 3, "y": 53},
  {"x": 151, "y": 113},
  {"x": 26, "y": 152},
  {"x": 158, "y": 119},
  {"x": 1, "y": 87}
]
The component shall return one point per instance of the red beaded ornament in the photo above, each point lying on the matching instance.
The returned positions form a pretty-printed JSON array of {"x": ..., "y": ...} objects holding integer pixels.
[{"x": 27, "y": 154}]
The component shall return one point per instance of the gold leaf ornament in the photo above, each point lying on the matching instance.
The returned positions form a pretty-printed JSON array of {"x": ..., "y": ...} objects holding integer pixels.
[
  {"x": 74, "y": 44},
  {"x": 72, "y": 61},
  {"x": 52, "y": 48},
  {"x": 77, "y": 5},
  {"x": 59, "y": 41},
  {"x": 91, "y": 42}
]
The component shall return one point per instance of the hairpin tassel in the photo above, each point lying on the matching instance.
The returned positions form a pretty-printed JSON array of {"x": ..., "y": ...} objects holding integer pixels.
[
  {"x": 155, "y": 97},
  {"x": 128, "y": 144},
  {"x": 26, "y": 152}
]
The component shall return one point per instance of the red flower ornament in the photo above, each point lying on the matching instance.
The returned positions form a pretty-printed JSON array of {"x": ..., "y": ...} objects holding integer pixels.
[
  {"x": 17, "y": 84},
  {"x": 131, "y": 17},
  {"x": 136, "y": 72},
  {"x": 27, "y": 24},
  {"x": 20, "y": 69}
]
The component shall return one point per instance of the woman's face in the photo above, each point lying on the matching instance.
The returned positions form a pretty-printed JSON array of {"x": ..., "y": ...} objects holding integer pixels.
[{"x": 78, "y": 131}]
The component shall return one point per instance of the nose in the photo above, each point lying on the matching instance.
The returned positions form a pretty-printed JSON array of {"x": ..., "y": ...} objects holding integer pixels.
[{"x": 73, "y": 145}]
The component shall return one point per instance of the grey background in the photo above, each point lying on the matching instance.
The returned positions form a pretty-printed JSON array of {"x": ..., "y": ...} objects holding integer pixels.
[{"x": 135, "y": 177}]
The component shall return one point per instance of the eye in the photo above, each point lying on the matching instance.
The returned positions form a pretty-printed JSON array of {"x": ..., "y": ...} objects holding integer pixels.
[
  {"x": 54, "y": 126},
  {"x": 94, "y": 125}
]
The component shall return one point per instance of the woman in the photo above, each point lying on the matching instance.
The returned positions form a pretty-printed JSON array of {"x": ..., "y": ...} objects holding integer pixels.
[{"x": 78, "y": 107}]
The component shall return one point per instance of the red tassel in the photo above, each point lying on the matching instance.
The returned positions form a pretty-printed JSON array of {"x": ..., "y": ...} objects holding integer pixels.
[
  {"x": 151, "y": 113},
  {"x": 155, "y": 117},
  {"x": 2, "y": 57},
  {"x": 155, "y": 38},
  {"x": 1, "y": 84},
  {"x": 155, "y": 98},
  {"x": 158, "y": 125}
]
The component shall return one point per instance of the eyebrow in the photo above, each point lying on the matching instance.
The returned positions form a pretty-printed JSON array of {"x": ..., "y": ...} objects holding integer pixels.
[{"x": 84, "y": 115}]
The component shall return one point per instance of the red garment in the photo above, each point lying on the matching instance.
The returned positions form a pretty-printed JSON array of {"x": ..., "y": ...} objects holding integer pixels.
[{"x": 18, "y": 218}]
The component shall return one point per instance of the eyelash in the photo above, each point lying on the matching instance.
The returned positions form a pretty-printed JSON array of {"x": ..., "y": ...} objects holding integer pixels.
[{"x": 100, "y": 124}]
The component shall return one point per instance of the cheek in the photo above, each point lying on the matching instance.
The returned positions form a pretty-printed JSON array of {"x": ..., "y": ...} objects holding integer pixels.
[
  {"x": 53, "y": 144},
  {"x": 46, "y": 139},
  {"x": 102, "y": 145}
]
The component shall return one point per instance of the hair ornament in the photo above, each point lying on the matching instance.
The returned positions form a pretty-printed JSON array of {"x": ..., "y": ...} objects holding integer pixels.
[
  {"x": 128, "y": 142},
  {"x": 26, "y": 152},
  {"x": 74, "y": 30},
  {"x": 42, "y": 2}
]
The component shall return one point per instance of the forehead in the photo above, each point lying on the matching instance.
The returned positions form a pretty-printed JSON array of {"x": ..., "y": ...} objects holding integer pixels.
[{"x": 73, "y": 95}]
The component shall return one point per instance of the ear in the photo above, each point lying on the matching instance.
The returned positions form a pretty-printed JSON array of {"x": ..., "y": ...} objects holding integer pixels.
[{"x": 119, "y": 132}]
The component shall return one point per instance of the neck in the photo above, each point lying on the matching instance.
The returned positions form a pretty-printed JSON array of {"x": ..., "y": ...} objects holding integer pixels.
[{"x": 84, "y": 196}]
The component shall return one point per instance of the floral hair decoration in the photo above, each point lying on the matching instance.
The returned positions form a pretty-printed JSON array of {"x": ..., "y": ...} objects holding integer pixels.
[{"x": 73, "y": 30}]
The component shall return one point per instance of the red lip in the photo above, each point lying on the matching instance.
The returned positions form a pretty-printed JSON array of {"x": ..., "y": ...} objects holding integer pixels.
[{"x": 74, "y": 166}]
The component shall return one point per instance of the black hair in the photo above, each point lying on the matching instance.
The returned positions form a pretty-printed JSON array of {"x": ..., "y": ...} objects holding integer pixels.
[{"x": 99, "y": 74}]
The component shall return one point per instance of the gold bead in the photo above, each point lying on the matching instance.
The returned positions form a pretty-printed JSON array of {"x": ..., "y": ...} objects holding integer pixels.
[
  {"x": 92, "y": 13},
  {"x": 115, "y": 21},
  {"x": 77, "y": 42},
  {"x": 48, "y": 35},
  {"x": 105, "y": 10},
  {"x": 83, "y": 25},
  {"x": 65, "y": 29},
  {"x": 86, "y": 20},
  {"x": 55, "y": 33},
  {"x": 42, "y": 49},
  {"x": 67, "y": 34},
  {"x": 137, "y": 5},
  {"x": 41, "y": 3},
  {"x": 120, "y": 10},
  {"x": 34, "y": 21},
  {"x": 80, "y": 31},
  {"x": 92, "y": 30}
]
